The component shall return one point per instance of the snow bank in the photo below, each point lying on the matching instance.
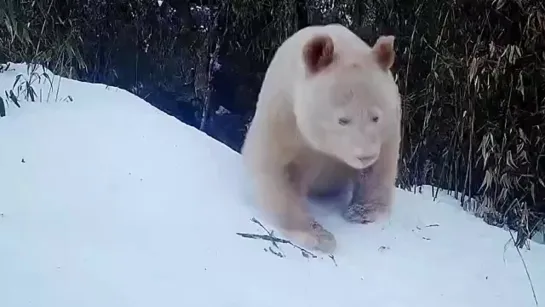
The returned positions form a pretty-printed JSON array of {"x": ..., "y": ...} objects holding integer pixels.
[{"x": 107, "y": 201}]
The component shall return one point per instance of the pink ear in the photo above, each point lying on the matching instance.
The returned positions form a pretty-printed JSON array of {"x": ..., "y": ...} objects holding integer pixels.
[
  {"x": 384, "y": 51},
  {"x": 318, "y": 53}
]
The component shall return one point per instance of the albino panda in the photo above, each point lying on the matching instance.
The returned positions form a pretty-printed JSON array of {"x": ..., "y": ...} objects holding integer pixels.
[{"x": 328, "y": 114}]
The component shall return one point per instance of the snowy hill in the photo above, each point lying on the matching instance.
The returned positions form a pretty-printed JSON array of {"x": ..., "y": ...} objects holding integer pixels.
[{"x": 105, "y": 201}]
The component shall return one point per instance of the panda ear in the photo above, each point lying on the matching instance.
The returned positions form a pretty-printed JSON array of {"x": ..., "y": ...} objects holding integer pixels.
[
  {"x": 318, "y": 53},
  {"x": 384, "y": 53}
]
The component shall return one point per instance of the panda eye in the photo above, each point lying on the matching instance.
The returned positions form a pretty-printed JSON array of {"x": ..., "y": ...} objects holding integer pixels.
[
  {"x": 343, "y": 121},
  {"x": 374, "y": 119}
]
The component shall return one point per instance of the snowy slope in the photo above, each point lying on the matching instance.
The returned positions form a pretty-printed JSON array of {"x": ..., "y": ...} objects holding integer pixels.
[{"x": 108, "y": 202}]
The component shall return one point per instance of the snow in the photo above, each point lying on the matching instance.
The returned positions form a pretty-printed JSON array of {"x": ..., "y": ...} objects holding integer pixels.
[{"x": 107, "y": 201}]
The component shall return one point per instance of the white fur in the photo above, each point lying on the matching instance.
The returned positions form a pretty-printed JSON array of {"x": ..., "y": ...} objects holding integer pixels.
[{"x": 296, "y": 143}]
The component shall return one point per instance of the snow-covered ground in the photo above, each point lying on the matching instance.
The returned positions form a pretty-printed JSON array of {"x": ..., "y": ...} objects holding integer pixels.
[{"x": 106, "y": 201}]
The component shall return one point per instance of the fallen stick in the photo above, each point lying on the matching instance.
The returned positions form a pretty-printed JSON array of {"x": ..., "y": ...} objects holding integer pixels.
[
  {"x": 274, "y": 240},
  {"x": 263, "y": 237}
]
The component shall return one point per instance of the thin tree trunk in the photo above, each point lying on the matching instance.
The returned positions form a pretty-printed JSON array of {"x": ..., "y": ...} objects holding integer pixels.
[{"x": 213, "y": 59}]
